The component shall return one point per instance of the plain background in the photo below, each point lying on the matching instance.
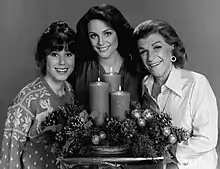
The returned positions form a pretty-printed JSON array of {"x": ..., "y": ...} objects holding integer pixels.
[{"x": 23, "y": 21}]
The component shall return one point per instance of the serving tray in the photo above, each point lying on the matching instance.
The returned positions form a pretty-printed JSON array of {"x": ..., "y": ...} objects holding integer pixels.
[
  {"x": 108, "y": 150},
  {"x": 110, "y": 159}
]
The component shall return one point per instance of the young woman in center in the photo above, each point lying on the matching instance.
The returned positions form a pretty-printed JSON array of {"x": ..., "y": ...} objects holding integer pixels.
[{"x": 104, "y": 44}]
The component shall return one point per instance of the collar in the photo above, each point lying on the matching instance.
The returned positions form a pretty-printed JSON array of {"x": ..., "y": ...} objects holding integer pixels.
[{"x": 174, "y": 81}]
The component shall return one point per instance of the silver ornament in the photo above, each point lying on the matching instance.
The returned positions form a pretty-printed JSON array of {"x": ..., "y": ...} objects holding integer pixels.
[
  {"x": 147, "y": 114},
  {"x": 166, "y": 131},
  {"x": 136, "y": 113},
  {"x": 172, "y": 139},
  {"x": 102, "y": 135},
  {"x": 141, "y": 122},
  {"x": 95, "y": 139}
]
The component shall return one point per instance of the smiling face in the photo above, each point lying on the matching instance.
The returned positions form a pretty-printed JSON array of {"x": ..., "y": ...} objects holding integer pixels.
[
  {"x": 59, "y": 65},
  {"x": 156, "y": 55},
  {"x": 103, "y": 38}
]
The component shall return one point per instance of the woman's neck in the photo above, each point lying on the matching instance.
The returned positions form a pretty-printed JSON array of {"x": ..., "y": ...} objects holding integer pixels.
[
  {"x": 156, "y": 89},
  {"x": 112, "y": 64},
  {"x": 57, "y": 87},
  {"x": 159, "y": 81},
  {"x": 162, "y": 79}
]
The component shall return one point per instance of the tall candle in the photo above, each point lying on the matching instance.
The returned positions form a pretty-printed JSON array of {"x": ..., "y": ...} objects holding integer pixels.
[
  {"x": 114, "y": 80},
  {"x": 99, "y": 100},
  {"x": 120, "y": 103}
]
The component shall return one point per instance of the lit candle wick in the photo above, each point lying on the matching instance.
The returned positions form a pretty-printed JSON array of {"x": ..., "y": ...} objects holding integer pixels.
[
  {"x": 98, "y": 79},
  {"x": 111, "y": 71},
  {"x": 119, "y": 88}
]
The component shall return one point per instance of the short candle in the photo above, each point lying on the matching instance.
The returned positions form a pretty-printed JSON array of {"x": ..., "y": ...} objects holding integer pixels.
[{"x": 120, "y": 104}]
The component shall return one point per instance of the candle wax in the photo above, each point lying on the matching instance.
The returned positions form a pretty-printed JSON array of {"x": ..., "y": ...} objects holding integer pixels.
[
  {"x": 114, "y": 80},
  {"x": 120, "y": 103},
  {"x": 99, "y": 100}
]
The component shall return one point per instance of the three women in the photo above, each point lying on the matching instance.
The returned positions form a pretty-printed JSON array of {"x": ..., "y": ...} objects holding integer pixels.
[{"x": 105, "y": 43}]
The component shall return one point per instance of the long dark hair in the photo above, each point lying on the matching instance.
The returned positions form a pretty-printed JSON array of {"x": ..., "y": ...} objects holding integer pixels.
[{"x": 113, "y": 18}]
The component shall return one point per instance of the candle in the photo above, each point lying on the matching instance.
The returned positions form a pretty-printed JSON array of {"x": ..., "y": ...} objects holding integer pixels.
[
  {"x": 114, "y": 80},
  {"x": 120, "y": 103},
  {"x": 99, "y": 100}
]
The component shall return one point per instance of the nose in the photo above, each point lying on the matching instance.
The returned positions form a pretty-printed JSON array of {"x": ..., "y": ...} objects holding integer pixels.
[
  {"x": 101, "y": 40},
  {"x": 151, "y": 56},
  {"x": 62, "y": 60}
]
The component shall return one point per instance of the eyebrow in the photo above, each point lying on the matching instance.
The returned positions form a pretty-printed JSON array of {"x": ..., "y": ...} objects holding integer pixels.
[
  {"x": 108, "y": 29},
  {"x": 156, "y": 43},
  {"x": 151, "y": 45},
  {"x": 141, "y": 48}
]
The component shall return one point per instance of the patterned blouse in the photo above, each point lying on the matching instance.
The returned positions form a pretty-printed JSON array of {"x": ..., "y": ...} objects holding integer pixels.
[{"x": 30, "y": 107}]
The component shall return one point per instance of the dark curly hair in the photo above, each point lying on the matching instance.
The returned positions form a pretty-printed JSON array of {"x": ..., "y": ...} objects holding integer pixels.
[
  {"x": 113, "y": 18},
  {"x": 58, "y": 36},
  {"x": 146, "y": 28}
]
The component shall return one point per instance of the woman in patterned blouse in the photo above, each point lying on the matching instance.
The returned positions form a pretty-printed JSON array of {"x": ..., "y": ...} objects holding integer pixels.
[{"x": 55, "y": 57}]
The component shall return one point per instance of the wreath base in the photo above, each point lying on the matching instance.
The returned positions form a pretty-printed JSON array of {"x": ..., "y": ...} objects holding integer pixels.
[{"x": 107, "y": 150}]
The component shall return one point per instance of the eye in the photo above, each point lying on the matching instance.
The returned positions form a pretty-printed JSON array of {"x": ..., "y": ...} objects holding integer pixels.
[
  {"x": 157, "y": 47},
  {"x": 54, "y": 54},
  {"x": 108, "y": 33},
  {"x": 143, "y": 52},
  {"x": 69, "y": 54},
  {"x": 92, "y": 36}
]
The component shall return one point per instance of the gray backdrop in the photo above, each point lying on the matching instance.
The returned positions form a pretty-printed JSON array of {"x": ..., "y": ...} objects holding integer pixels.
[{"x": 22, "y": 22}]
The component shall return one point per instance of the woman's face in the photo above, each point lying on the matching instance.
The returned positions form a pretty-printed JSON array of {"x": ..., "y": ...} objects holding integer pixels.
[
  {"x": 59, "y": 65},
  {"x": 156, "y": 55},
  {"x": 103, "y": 38}
]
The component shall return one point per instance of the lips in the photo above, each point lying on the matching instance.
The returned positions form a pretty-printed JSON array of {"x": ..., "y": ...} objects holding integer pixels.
[
  {"x": 61, "y": 70},
  {"x": 103, "y": 49},
  {"x": 154, "y": 64}
]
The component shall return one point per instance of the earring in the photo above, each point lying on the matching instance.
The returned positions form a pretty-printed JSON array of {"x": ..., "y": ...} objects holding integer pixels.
[{"x": 173, "y": 59}]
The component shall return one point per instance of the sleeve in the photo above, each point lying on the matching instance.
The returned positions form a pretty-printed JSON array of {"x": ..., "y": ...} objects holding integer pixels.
[
  {"x": 204, "y": 123},
  {"x": 17, "y": 125},
  {"x": 85, "y": 74}
]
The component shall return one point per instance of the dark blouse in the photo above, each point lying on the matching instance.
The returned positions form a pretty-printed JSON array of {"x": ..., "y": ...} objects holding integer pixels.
[{"x": 90, "y": 71}]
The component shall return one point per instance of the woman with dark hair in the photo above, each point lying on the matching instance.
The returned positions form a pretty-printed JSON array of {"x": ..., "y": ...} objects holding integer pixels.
[
  {"x": 186, "y": 95},
  {"x": 104, "y": 44},
  {"x": 55, "y": 58}
]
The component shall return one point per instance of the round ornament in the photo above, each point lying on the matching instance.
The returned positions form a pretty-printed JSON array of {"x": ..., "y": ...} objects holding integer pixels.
[
  {"x": 172, "y": 139},
  {"x": 95, "y": 139},
  {"x": 141, "y": 122},
  {"x": 185, "y": 136},
  {"x": 82, "y": 119},
  {"x": 147, "y": 114},
  {"x": 102, "y": 135},
  {"x": 136, "y": 114},
  {"x": 166, "y": 131}
]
